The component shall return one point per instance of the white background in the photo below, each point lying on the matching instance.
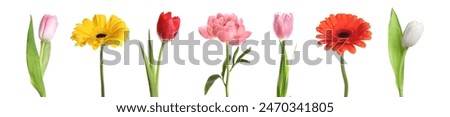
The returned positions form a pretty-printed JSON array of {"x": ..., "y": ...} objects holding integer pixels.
[{"x": 72, "y": 77}]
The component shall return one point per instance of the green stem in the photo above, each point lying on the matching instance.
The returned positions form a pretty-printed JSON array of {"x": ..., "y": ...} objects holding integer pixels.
[
  {"x": 41, "y": 58},
  {"x": 281, "y": 76},
  {"x": 101, "y": 72},
  {"x": 155, "y": 92},
  {"x": 344, "y": 75},
  {"x": 401, "y": 73},
  {"x": 228, "y": 70},
  {"x": 232, "y": 66}
]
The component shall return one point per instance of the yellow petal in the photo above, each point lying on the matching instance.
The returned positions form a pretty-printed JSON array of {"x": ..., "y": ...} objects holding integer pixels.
[{"x": 99, "y": 22}]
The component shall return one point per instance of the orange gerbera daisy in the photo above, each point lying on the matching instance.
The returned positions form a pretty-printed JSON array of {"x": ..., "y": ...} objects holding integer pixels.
[{"x": 342, "y": 32}]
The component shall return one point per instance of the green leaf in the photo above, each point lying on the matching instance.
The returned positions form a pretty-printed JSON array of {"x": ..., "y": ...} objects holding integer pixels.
[
  {"x": 150, "y": 72},
  {"x": 287, "y": 61},
  {"x": 45, "y": 55},
  {"x": 286, "y": 74},
  {"x": 234, "y": 55},
  {"x": 243, "y": 54},
  {"x": 210, "y": 82},
  {"x": 150, "y": 49},
  {"x": 396, "y": 50},
  {"x": 240, "y": 58},
  {"x": 243, "y": 61},
  {"x": 33, "y": 62}
]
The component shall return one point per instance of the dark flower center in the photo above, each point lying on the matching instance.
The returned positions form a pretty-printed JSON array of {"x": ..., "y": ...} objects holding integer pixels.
[
  {"x": 344, "y": 34},
  {"x": 101, "y": 35}
]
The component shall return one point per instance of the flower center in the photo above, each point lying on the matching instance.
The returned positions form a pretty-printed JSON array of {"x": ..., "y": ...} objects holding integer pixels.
[
  {"x": 344, "y": 34},
  {"x": 100, "y": 35}
]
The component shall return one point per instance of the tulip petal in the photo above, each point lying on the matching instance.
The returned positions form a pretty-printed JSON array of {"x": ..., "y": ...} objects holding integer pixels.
[
  {"x": 42, "y": 26},
  {"x": 167, "y": 27},
  {"x": 176, "y": 23},
  {"x": 47, "y": 27},
  {"x": 283, "y": 25},
  {"x": 412, "y": 34}
]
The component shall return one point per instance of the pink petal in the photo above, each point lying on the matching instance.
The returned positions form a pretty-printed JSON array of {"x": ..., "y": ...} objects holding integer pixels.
[
  {"x": 245, "y": 35},
  {"x": 47, "y": 28},
  {"x": 227, "y": 33},
  {"x": 223, "y": 36},
  {"x": 241, "y": 38},
  {"x": 42, "y": 25},
  {"x": 205, "y": 33},
  {"x": 211, "y": 20},
  {"x": 283, "y": 25}
]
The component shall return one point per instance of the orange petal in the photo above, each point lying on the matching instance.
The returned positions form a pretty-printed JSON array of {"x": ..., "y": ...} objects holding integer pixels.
[
  {"x": 351, "y": 48},
  {"x": 359, "y": 43},
  {"x": 341, "y": 51},
  {"x": 337, "y": 47},
  {"x": 328, "y": 46}
]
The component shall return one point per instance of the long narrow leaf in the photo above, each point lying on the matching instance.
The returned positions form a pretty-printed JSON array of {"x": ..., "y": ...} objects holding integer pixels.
[
  {"x": 234, "y": 56},
  {"x": 245, "y": 53},
  {"x": 150, "y": 49},
  {"x": 33, "y": 63},
  {"x": 150, "y": 71},
  {"x": 395, "y": 47},
  {"x": 243, "y": 61},
  {"x": 210, "y": 82},
  {"x": 286, "y": 73}
]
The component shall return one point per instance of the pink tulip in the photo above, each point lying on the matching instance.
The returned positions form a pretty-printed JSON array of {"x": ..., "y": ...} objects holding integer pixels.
[
  {"x": 227, "y": 27},
  {"x": 48, "y": 27},
  {"x": 283, "y": 25}
]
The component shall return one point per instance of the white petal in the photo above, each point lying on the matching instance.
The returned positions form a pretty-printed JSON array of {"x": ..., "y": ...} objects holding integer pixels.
[{"x": 412, "y": 33}]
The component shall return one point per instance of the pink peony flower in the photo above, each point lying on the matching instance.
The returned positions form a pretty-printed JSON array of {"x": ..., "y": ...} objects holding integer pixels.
[{"x": 227, "y": 27}]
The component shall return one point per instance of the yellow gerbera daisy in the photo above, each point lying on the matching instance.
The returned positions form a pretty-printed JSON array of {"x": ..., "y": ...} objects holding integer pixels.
[{"x": 100, "y": 32}]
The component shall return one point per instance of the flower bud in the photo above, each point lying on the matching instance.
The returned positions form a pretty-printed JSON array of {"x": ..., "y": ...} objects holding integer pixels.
[
  {"x": 47, "y": 27},
  {"x": 412, "y": 34}
]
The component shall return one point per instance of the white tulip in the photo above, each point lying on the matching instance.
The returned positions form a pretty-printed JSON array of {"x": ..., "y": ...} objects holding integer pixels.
[{"x": 412, "y": 34}]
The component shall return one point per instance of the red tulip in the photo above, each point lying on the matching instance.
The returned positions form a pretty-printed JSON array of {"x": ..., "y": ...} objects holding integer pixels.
[{"x": 167, "y": 26}]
